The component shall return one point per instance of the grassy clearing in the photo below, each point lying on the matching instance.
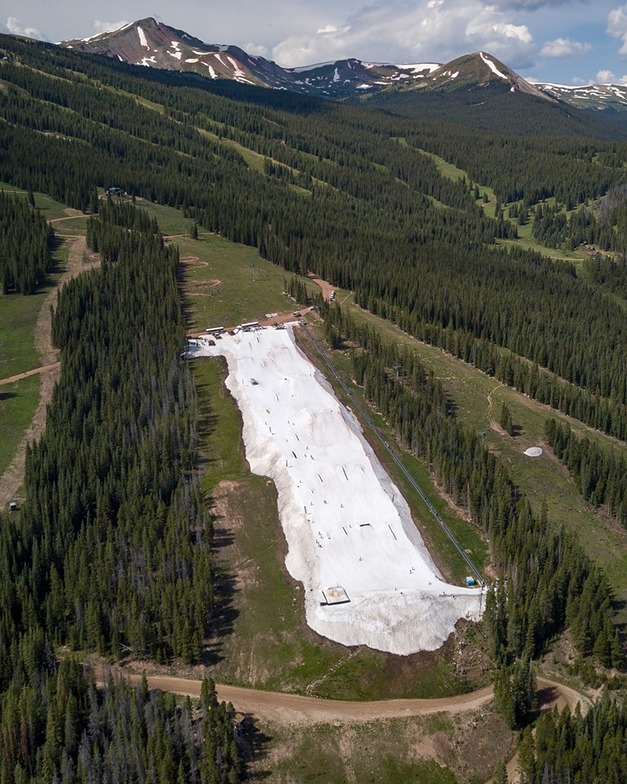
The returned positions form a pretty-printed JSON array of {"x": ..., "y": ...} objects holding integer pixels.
[
  {"x": 377, "y": 752},
  {"x": 48, "y": 206},
  {"x": 254, "y": 160},
  {"x": 75, "y": 226},
  {"x": 527, "y": 241},
  {"x": 366, "y": 676},
  {"x": 18, "y": 352},
  {"x": 452, "y": 172},
  {"x": 437, "y": 749},
  {"x": 18, "y": 402},
  {"x": 18, "y": 315},
  {"x": 226, "y": 284},
  {"x": 171, "y": 221}
]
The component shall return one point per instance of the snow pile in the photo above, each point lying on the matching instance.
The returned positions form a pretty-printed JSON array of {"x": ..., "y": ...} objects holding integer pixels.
[{"x": 346, "y": 524}]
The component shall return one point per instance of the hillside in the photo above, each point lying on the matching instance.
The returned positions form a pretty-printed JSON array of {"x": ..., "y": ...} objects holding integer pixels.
[
  {"x": 475, "y": 89},
  {"x": 482, "y": 92},
  {"x": 470, "y": 313},
  {"x": 156, "y": 45}
]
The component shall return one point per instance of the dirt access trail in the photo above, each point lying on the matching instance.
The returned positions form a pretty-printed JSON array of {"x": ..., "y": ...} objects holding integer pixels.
[
  {"x": 28, "y": 373},
  {"x": 12, "y": 478},
  {"x": 295, "y": 709},
  {"x": 324, "y": 285}
]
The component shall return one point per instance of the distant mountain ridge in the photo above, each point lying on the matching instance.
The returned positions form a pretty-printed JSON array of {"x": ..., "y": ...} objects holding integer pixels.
[{"x": 154, "y": 44}]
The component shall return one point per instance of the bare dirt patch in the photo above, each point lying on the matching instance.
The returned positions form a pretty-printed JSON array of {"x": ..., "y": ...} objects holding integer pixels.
[
  {"x": 193, "y": 261},
  {"x": 324, "y": 285},
  {"x": 200, "y": 288}
]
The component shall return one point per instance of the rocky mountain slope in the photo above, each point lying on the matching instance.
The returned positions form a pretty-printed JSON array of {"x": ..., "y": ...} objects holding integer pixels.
[{"x": 157, "y": 45}]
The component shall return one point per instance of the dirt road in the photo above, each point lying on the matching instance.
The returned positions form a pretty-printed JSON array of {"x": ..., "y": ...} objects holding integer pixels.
[
  {"x": 324, "y": 285},
  {"x": 295, "y": 709},
  {"x": 28, "y": 373}
]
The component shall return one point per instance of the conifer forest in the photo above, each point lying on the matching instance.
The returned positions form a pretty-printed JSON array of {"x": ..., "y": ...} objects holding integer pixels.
[{"x": 112, "y": 551}]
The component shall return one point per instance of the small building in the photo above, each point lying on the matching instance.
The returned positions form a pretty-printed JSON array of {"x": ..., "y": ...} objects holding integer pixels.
[
  {"x": 334, "y": 595},
  {"x": 115, "y": 191},
  {"x": 13, "y": 506}
]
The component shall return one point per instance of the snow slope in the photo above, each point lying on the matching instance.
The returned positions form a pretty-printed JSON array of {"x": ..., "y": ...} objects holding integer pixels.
[{"x": 345, "y": 522}]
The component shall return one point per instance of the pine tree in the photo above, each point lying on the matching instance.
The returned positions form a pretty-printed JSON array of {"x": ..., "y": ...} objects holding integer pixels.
[{"x": 506, "y": 420}]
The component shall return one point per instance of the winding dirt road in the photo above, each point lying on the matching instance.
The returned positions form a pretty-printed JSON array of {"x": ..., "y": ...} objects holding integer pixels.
[{"x": 295, "y": 709}]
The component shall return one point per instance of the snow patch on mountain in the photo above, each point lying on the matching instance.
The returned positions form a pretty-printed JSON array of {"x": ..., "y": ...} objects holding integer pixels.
[
  {"x": 492, "y": 66},
  {"x": 419, "y": 67},
  {"x": 142, "y": 37}
]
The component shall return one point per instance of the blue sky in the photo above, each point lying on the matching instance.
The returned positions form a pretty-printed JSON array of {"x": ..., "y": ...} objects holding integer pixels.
[{"x": 565, "y": 41}]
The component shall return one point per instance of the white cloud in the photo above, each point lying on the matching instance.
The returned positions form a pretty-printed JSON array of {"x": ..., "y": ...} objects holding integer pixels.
[
  {"x": 607, "y": 77},
  {"x": 564, "y": 47},
  {"x": 617, "y": 26},
  {"x": 256, "y": 49},
  {"x": 413, "y": 30},
  {"x": 107, "y": 27},
  {"x": 15, "y": 27},
  {"x": 529, "y": 5}
]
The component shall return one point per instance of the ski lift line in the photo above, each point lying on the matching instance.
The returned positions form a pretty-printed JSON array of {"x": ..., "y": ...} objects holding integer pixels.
[{"x": 394, "y": 457}]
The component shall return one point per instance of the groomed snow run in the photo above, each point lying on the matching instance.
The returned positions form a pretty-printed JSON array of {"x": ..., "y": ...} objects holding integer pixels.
[{"x": 348, "y": 529}]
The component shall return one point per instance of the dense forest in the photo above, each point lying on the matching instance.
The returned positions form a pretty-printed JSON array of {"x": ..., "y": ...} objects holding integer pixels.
[
  {"x": 600, "y": 475},
  {"x": 57, "y": 726},
  {"x": 577, "y": 749},
  {"x": 26, "y": 243},
  {"x": 351, "y": 197},
  {"x": 111, "y": 551}
]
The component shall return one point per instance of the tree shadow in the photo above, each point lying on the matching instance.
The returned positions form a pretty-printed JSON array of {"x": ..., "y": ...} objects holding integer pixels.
[
  {"x": 225, "y": 588},
  {"x": 546, "y": 698},
  {"x": 182, "y": 277},
  {"x": 223, "y": 618},
  {"x": 619, "y": 606},
  {"x": 253, "y": 744}
]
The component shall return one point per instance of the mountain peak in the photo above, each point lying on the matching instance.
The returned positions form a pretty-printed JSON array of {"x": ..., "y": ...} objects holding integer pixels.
[{"x": 154, "y": 44}]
